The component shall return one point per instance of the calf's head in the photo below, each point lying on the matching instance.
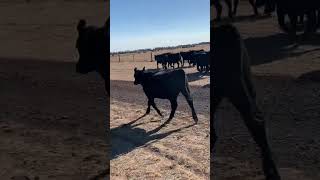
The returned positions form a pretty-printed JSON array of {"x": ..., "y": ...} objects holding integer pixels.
[
  {"x": 138, "y": 76},
  {"x": 225, "y": 36},
  {"x": 91, "y": 45}
]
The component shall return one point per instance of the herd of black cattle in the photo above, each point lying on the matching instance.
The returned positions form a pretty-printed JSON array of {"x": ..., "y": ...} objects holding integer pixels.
[
  {"x": 199, "y": 58},
  {"x": 306, "y": 13}
]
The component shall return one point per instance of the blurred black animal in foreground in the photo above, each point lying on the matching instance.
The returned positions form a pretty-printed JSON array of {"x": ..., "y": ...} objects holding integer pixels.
[
  {"x": 231, "y": 79},
  {"x": 164, "y": 85},
  {"x": 93, "y": 48}
]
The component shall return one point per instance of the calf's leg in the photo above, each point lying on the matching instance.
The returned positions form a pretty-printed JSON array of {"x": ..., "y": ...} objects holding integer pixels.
[
  {"x": 255, "y": 9},
  {"x": 149, "y": 104},
  {"x": 155, "y": 107},
  {"x": 311, "y": 23},
  {"x": 235, "y": 6},
  {"x": 214, "y": 137},
  {"x": 174, "y": 106},
  {"x": 251, "y": 115},
  {"x": 293, "y": 21},
  {"x": 218, "y": 6},
  {"x": 186, "y": 94},
  {"x": 229, "y": 4}
]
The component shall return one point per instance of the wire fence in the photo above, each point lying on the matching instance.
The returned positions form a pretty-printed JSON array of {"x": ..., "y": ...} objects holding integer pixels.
[
  {"x": 133, "y": 57},
  {"x": 148, "y": 56}
]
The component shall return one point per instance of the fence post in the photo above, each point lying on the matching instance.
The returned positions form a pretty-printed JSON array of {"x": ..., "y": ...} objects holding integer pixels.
[
  {"x": 119, "y": 57},
  {"x": 151, "y": 56}
]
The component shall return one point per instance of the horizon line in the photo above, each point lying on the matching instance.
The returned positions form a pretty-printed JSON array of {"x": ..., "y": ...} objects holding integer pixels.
[{"x": 163, "y": 47}]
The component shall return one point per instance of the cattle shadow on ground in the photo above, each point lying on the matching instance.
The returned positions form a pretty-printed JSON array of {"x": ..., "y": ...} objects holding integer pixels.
[
  {"x": 276, "y": 47},
  {"x": 242, "y": 18},
  {"x": 310, "y": 76},
  {"x": 128, "y": 137},
  {"x": 196, "y": 76}
]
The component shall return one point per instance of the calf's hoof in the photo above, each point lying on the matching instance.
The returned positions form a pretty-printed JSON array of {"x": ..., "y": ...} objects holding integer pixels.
[{"x": 195, "y": 118}]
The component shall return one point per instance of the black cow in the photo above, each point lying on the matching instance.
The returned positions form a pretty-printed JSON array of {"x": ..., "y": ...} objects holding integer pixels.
[
  {"x": 231, "y": 13},
  {"x": 231, "y": 79},
  {"x": 202, "y": 60},
  {"x": 189, "y": 56},
  {"x": 174, "y": 58},
  {"x": 161, "y": 59},
  {"x": 295, "y": 9},
  {"x": 164, "y": 85},
  {"x": 186, "y": 56},
  {"x": 93, "y": 47}
]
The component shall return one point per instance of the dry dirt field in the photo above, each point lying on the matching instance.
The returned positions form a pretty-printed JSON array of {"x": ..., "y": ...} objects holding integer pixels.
[{"x": 52, "y": 120}]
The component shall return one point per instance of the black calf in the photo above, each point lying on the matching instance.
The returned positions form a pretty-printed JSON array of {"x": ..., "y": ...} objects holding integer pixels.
[
  {"x": 93, "y": 47},
  {"x": 165, "y": 85}
]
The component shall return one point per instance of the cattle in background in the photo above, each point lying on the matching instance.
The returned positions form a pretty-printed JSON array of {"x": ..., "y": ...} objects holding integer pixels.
[
  {"x": 161, "y": 59},
  {"x": 174, "y": 58},
  {"x": 202, "y": 60},
  {"x": 231, "y": 79},
  {"x": 164, "y": 85},
  {"x": 186, "y": 56},
  {"x": 93, "y": 48},
  {"x": 189, "y": 56},
  {"x": 294, "y": 9},
  {"x": 233, "y": 12}
]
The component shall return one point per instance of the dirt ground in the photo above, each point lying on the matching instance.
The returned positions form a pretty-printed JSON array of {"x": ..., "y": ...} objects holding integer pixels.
[
  {"x": 142, "y": 150},
  {"x": 52, "y": 120}
]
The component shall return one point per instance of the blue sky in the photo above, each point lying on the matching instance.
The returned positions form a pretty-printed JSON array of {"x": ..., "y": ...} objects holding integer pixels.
[{"x": 138, "y": 24}]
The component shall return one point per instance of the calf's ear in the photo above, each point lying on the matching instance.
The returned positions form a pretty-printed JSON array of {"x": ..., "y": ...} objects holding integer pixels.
[
  {"x": 81, "y": 24},
  {"x": 135, "y": 69},
  {"x": 143, "y": 68}
]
